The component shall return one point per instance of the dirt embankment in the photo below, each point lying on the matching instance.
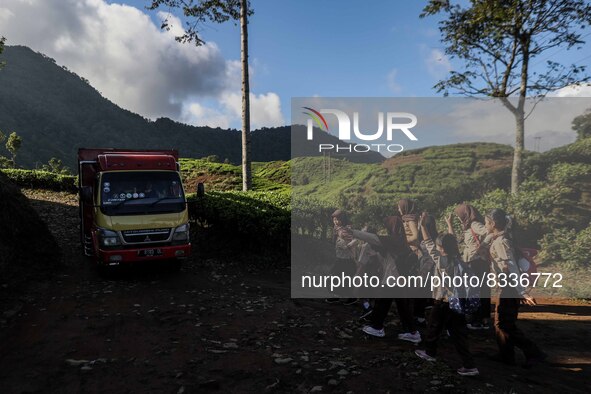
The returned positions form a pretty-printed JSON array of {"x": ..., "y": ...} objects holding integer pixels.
[
  {"x": 28, "y": 251},
  {"x": 224, "y": 325}
]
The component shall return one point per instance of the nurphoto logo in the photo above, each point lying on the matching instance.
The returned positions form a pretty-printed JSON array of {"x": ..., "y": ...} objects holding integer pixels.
[{"x": 395, "y": 121}]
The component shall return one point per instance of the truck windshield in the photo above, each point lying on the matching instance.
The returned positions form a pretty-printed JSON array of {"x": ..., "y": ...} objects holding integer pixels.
[{"x": 141, "y": 192}]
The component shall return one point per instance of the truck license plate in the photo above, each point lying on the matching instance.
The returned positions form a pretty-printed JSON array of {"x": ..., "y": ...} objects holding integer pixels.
[{"x": 149, "y": 252}]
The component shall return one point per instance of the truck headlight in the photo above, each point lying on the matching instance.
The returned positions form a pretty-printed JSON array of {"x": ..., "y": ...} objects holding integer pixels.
[
  {"x": 109, "y": 238},
  {"x": 181, "y": 233}
]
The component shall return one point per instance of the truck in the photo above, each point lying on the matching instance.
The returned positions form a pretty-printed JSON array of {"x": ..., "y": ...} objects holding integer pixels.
[{"x": 132, "y": 207}]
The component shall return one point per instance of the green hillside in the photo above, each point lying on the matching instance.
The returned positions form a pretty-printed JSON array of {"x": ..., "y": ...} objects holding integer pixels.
[
  {"x": 269, "y": 176},
  {"x": 435, "y": 175}
]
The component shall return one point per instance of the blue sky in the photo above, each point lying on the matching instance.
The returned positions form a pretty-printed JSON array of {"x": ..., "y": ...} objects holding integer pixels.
[
  {"x": 336, "y": 48},
  {"x": 298, "y": 48}
]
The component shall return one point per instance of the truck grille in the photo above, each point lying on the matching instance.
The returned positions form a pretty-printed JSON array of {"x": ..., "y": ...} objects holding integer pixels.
[{"x": 146, "y": 236}]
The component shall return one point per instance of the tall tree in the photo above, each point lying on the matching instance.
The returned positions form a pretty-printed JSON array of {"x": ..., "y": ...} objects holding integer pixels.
[
  {"x": 500, "y": 42},
  {"x": 246, "y": 175},
  {"x": 13, "y": 145},
  {"x": 198, "y": 12},
  {"x": 582, "y": 125},
  {"x": 2, "y": 40}
]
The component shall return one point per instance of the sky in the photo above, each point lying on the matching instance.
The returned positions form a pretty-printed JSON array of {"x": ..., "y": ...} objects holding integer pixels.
[{"x": 303, "y": 48}]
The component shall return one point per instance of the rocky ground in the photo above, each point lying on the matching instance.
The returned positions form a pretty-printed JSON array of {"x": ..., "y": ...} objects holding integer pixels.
[{"x": 223, "y": 325}]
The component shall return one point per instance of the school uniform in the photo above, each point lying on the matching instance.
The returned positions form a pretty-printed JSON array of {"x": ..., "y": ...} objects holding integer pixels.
[
  {"x": 442, "y": 316},
  {"x": 475, "y": 256},
  {"x": 391, "y": 266},
  {"x": 507, "y": 333}
]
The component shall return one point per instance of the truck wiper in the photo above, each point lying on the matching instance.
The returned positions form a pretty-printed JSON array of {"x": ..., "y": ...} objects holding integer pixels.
[{"x": 162, "y": 199}]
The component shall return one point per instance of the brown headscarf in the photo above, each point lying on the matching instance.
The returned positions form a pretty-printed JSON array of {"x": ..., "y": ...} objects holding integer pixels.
[
  {"x": 395, "y": 242},
  {"x": 344, "y": 230},
  {"x": 468, "y": 214},
  {"x": 342, "y": 216},
  {"x": 408, "y": 210}
]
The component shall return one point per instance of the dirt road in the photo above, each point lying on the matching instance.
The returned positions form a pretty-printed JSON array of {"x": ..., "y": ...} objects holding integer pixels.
[{"x": 222, "y": 325}]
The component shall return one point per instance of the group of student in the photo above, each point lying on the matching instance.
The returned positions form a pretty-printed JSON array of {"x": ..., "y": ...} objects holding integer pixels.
[{"x": 413, "y": 245}]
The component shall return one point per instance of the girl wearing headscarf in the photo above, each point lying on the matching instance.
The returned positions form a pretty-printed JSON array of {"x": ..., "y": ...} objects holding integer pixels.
[
  {"x": 344, "y": 249},
  {"x": 446, "y": 255},
  {"x": 426, "y": 266},
  {"x": 394, "y": 252},
  {"x": 506, "y": 330},
  {"x": 476, "y": 256},
  {"x": 409, "y": 213}
]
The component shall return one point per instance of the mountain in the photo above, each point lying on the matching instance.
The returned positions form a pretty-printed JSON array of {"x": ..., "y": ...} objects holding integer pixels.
[{"x": 56, "y": 111}]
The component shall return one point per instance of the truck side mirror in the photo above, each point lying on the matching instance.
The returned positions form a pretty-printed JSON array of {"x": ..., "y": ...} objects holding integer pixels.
[
  {"x": 86, "y": 193},
  {"x": 200, "y": 189}
]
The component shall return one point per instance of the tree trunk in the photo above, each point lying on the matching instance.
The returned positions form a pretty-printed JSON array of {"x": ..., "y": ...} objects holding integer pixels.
[
  {"x": 246, "y": 174},
  {"x": 520, "y": 117},
  {"x": 518, "y": 152}
]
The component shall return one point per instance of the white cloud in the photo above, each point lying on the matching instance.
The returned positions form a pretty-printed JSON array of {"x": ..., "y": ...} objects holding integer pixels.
[
  {"x": 265, "y": 109},
  {"x": 198, "y": 114},
  {"x": 391, "y": 81},
  {"x": 129, "y": 59},
  {"x": 583, "y": 90},
  {"x": 489, "y": 120},
  {"x": 437, "y": 63}
]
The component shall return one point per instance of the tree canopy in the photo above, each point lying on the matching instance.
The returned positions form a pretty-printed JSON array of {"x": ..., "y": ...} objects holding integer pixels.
[
  {"x": 498, "y": 39},
  {"x": 582, "y": 125},
  {"x": 502, "y": 45},
  {"x": 198, "y": 12}
]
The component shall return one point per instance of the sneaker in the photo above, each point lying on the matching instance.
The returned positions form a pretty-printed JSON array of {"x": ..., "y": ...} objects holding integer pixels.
[
  {"x": 421, "y": 320},
  {"x": 350, "y": 301},
  {"x": 331, "y": 300},
  {"x": 410, "y": 337},
  {"x": 423, "y": 354},
  {"x": 369, "y": 330},
  {"x": 468, "y": 371},
  {"x": 477, "y": 326}
]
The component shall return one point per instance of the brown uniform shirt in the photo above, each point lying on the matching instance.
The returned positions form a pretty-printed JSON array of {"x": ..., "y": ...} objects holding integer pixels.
[
  {"x": 473, "y": 240},
  {"x": 504, "y": 260}
]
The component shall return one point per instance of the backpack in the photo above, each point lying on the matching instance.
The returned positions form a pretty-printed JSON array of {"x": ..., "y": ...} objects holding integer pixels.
[
  {"x": 526, "y": 262},
  {"x": 465, "y": 300},
  {"x": 486, "y": 255}
]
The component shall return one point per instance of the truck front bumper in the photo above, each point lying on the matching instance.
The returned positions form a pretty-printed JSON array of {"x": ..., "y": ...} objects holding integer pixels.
[{"x": 122, "y": 256}]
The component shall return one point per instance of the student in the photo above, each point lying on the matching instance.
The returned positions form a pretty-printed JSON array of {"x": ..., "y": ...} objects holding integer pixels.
[
  {"x": 446, "y": 255},
  {"x": 344, "y": 250},
  {"x": 426, "y": 267},
  {"x": 367, "y": 263},
  {"x": 406, "y": 306},
  {"x": 394, "y": 252},
  {"x": 476, "y": 256},
  {"x": 506, "y": 330},
  {"x": 410, "y": 218}
]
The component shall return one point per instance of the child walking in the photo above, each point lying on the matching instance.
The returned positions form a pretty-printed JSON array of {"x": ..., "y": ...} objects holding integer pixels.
[
  {"x": 507, "y": 333},
  {"x": 446, "y": 255}
]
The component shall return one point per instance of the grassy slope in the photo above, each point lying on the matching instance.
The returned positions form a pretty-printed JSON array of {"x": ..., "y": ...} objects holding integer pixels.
[
  {"x": 274, "y": 175},
  {"x": 419, "y": 174}
]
